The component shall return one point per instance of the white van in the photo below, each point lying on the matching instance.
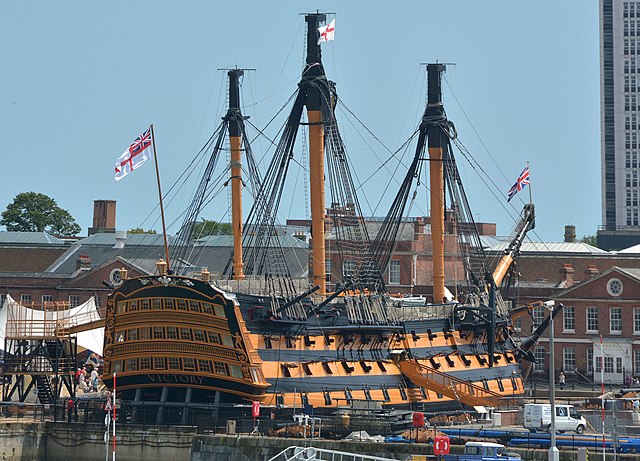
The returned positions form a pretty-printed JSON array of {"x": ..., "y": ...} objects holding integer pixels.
[{"x": 537, "y": 416}]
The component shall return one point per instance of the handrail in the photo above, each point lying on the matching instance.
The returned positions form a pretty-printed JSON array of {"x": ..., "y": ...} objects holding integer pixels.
[{"x": 446, "y": 384}]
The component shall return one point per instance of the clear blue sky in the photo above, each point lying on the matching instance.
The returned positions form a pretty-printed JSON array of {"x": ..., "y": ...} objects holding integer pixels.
[{"x": 80, "y": 80}]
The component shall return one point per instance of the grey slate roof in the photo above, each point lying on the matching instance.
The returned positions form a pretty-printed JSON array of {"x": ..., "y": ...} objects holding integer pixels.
[
  {"x": 144, "y": 250},
  {"x": 29, "y": 238}
]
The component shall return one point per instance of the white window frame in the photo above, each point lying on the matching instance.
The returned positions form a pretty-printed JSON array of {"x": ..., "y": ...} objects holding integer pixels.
[
  {"x": 589, "y": 357},
  {"x": 74, "y": 301},
  {"x": 617, "y": 310},
  {"x": 517, "y": 324},
  {"x": 394, "y": 272},
  {"x": 636, "y": 320},
  {"x": 569, "y": 359},
  {"x": 25, "y": 298},
  {"x": 609, "y": 364},
  {"x": 540, "y": 353},
  {"x": 46, "y": 299},
  {"x": 569, "y": 319},
  {"x": 537, "y": 315},
  {"x": 327, "y": 269},
  {"x": 636, "y": 361},
  {"x": 349, "y": 268},
  {"x": 592, "y": 310}
]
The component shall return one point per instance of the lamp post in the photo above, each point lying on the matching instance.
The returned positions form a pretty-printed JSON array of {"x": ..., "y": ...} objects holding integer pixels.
[{"x": 554, "y": 454}]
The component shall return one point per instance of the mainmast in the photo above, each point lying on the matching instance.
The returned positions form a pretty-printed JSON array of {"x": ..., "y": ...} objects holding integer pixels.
[
  {"x": 433, "y": 114},
  {"x": 316, "y": 90},
  {"x": 235, "y": 141}
]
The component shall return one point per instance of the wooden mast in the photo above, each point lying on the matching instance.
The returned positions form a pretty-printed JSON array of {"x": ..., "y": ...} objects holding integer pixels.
[
  {"x": 435, "y": 111},
  {"x": 235, "y": 141},
  {"x": 317, "y": 90}
]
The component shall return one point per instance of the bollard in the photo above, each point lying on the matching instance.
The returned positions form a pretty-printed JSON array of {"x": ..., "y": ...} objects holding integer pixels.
[{"x": 582, "y": 454}]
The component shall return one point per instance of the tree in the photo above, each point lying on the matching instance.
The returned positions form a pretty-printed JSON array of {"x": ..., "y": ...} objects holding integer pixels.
[
  {"x": 34, "y": 212},
  {"x": 206, "y": 227},
  {"x": 590, "y": 240},
  {"x": 140, "y": 230}
]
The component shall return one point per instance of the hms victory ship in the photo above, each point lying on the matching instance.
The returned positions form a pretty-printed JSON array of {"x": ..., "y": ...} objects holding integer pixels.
[{"x": 184, "y": 339}]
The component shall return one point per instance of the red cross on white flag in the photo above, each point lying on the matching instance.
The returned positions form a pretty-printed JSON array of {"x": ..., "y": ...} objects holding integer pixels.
[
  {"x": 135, "y": 155},
  {"x": 327, "y": 32}
]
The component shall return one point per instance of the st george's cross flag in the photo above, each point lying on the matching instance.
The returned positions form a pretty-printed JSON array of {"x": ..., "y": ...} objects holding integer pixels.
[
  {"x": 327, "y": 32},
  {"x": 522, "y": 181},
  {"x": 136, "y": 154}
]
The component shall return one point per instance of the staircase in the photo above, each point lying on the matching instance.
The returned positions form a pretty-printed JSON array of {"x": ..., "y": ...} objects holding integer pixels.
[
  {"x": 319, "y": 454},
  {"x": 455, "y": 388},
  {"x": 43, "y": 388}
]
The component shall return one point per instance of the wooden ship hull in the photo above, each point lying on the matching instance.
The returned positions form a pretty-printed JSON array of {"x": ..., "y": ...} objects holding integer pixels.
[{"x": 179, "y": 339}]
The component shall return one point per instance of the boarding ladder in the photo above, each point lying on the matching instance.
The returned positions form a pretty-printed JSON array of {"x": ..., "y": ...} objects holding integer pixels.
[
  {"x": 466, "y": 392},
  {"x": 321, "y": 454}
]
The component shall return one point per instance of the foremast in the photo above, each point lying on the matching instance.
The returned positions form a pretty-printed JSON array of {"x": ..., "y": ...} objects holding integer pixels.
[{"x": 235, "y": 142}]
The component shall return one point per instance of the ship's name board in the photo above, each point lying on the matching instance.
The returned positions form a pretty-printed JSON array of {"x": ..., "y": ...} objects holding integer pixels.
[{"x": 171, "y": 378}]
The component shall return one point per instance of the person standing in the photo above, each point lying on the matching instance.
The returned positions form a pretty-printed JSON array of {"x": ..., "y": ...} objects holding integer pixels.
[
  {"x": 70, "y": 407},
  {"x": 94, "y": 380},
  {"x": 561, "y": 380}
]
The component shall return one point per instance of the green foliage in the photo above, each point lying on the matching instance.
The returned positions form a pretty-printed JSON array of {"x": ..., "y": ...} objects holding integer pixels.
[
  {"x": 206, "y": 227},
  {"x": 590, "y": 240},
  {"x": 34, "y": 212},
  {"x": 140, "y": 230}
]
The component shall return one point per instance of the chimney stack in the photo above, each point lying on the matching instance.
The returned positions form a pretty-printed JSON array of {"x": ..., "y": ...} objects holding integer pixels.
[
  {"x": 418, "y": 227},
  {"x": 567, "y": 273},
  {"x": 83, "y": 262},
  {"x": 591, "y": 270},
  {"x": 570, "y": 233},
  {"x": 104, "y": 217}
]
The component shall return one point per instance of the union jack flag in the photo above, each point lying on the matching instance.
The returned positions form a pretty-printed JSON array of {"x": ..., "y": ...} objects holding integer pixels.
[
  {"x": 136, "y": 154},
  {"x": 522, "y": 181}
]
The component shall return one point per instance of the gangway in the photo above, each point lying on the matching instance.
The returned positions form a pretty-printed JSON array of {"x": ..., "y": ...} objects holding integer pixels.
[
  {"x": 455, "y": 388},
  {"x": 294, "y": 453}
]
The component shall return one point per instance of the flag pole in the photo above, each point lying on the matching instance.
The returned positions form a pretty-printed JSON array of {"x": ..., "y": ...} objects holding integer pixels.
[
  {"x": 164, "y": 228},
  {"x": 530, "y": 193}
]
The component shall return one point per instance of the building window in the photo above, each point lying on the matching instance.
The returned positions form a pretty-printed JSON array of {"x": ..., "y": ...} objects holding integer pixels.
[
  {"x": 3, "y": 299},
  {"x": 636, "y": 361},
  {"x": 25, "y": 299},
  {"x": 590, "y": 360},
  {"x": 615, "y": 320},
  {"x": 47, "y": 299},
  {"x": 349, "y": 268},
  {"x": 592, "y": 319},
  {"x": 569, "y": 315},
  {"x": 97, "y": 300},
  {"x": 394, "y": 272},
  {"x": 327, "y": 269},
  {"x": 74, "y": 301},
  {"x": 636, "y": 320},
  {"x": 538, "y": 316},
  {"x": 569, "y": 359},
  {"x": 608, "y": 364},
  {"x": 517, "y": 324},
  {"x": 539, "y": 354}
]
